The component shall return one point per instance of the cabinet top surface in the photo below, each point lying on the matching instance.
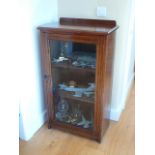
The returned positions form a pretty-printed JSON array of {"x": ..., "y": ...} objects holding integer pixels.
[{"x": 77, "y": 25}]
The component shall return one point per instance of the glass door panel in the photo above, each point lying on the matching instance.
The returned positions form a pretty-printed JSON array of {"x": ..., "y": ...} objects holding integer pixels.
[{"x": 73, "y": 75}]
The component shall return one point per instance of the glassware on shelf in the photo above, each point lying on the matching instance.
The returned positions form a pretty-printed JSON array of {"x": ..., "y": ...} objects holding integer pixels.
[
  {"x": 62, "y": 56},
  {"x": 76, "y": 114},
  {"x": 63, "y": 49},
  {"x": 63, "y": 106},
  {"x": 62, "y": 110}
]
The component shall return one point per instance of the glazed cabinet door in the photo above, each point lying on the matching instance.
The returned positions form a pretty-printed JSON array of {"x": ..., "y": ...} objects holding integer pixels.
[{"x": 72, "y": 64}]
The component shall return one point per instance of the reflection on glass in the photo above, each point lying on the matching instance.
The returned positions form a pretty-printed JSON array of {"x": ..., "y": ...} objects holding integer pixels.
[{"x": 73, "y": 70}]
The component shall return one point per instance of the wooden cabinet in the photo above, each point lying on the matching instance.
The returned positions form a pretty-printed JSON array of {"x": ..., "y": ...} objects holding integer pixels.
[{"x": 77, "y": 59}]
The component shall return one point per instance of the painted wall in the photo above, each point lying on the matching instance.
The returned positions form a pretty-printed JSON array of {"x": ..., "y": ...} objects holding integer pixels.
[
  {"x": 121, "y": 11},
  {"x": 8, "y": 77},
  {"x": 32, "y": 110}
]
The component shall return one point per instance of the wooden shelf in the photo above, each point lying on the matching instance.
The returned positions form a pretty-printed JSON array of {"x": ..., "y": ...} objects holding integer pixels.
[
  {"x": 69, "y": 66},
  {"x": 69, "y": 95}
]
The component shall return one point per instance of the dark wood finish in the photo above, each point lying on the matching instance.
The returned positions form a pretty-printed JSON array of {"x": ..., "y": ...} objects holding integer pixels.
[
  {"x": 109, "y": 54},
  {"x": 102, "y": 34},
  {"x": 85, "y": 27},
  {"x": 46, "y": 76},
  {"x": 87, "y": 22},
  {"x": 75, "y": 130}
]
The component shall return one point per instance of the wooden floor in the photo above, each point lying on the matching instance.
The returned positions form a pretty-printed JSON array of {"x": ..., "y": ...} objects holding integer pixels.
[{"x": 118, "y": 140}]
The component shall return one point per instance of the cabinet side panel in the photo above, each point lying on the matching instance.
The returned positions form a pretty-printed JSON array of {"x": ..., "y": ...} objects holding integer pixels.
[
  {"x": 110, "y": 43},
  {"x": 46, "y": 76},
  {"x": 100, "y": 70}
]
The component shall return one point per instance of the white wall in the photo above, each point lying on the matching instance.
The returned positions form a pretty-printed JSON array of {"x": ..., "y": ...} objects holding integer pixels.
[
  {"x": 32, "y": 110},
  {"x": 121, "y": 11},
  {"x": 8, "y": 77}
]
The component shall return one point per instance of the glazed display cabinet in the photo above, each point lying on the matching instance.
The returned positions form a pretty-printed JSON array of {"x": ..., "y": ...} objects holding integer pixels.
[{"x": 77, "y": 60}]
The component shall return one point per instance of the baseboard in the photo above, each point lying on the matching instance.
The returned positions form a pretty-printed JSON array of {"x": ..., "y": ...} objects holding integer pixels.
[
  {"x": 115, "y": 113},
  {"x": 127, "y": 91}
]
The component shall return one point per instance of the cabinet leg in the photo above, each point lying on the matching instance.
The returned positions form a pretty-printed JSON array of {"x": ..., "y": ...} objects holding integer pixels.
[
  {"x": 49, "y": 124},
  {"x": 99, "y": 140}
]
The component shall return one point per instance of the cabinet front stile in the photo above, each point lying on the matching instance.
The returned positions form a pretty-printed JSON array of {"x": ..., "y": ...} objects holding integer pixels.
[{"x": 47, "y": 78}]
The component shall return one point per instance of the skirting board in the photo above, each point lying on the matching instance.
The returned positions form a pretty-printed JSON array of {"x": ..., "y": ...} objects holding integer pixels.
[{"x": 116, "y": 113}]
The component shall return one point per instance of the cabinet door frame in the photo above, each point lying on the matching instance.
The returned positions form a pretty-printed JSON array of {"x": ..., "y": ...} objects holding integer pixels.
[{"x": 99, "y": 79}]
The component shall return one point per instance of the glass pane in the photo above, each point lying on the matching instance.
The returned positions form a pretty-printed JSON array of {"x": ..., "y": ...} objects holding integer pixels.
[{"x": 73, "y": 75}]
